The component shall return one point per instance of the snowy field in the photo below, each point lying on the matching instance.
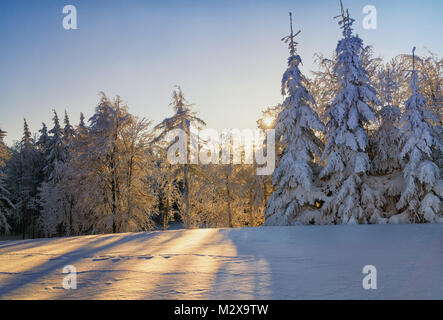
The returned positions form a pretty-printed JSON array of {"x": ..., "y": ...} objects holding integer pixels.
[{"x": 321, "y": 262}]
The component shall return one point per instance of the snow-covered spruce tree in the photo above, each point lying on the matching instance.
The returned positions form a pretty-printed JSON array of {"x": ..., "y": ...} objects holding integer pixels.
[
  {"x": 295, "y": 125},
  {"x": 182, "y": 120},
  {"x": 57, "y": 195},
  {"x": 382, "y": 187},
  {"x": 80, "y": 140},
  {"x": 421, "y": 198},
  {"x": 6, "y": 205},
  {"x": 68, "y": 132},
  {"x": 56, "y": 213},
  {"x": 56, "y": 148},
  {"x": 43, "y": 139},
  {"x": 24, "y": 176},
  {"x": 324, "y": 85},
  {"x": 386, "y": 139},
  {"x": 347, "y": 140}
]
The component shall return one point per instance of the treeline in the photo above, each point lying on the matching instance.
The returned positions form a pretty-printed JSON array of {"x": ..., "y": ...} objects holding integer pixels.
[{"x": 110, "y": 173}]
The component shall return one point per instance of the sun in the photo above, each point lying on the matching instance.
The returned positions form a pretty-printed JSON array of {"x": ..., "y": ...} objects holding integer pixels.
[{"x": 268, "y": 120}]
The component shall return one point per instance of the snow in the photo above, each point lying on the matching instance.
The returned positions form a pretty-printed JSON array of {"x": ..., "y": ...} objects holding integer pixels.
[{"x": 302, "y": 262}]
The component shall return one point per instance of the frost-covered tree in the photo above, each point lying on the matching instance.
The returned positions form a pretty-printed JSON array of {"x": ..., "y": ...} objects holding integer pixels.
[
  {"x": 386, "y": 139},
  {"x": 6, "y": 205},
  {"x": 56, "y": 201},
  {"x": 324, "y": 85},
  {"x": 138, "y": 163},
  {"x": 43, "y": 140},
  {"x": 347, "y": 140},
  {"x": 68, "y": 131},
  {"x": 111, "y": 170},
  {"x": 56, "y": 148},
  {"x": 295, "y": 129},
  {"x": 165, "y": 183},
  {"x": 104, "y": 159},
  {"x": 80, "y": 137},
  {"x": 219, "y": 197},
  {"x": 24, "y": 177},
  {"x": 82, "y": 120},
  {"x": 381, "y": 189},
  {"x": 259, "y": 187},
  {"x": 58, "y": 194},
  {"x": 421, "y": 197},
  {"x": 56, "y": 212},
  {"x": 182, "y": 120}
]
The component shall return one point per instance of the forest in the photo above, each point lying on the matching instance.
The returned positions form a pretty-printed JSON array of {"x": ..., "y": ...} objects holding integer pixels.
[{"x": 358, "y": 141}]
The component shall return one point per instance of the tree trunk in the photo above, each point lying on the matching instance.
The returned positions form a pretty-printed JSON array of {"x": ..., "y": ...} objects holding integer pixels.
[
  {"x": 228, "y": 192},
  {"x": 71, "y": 205},
  {"x": 129, "y": 185},
  {"x": 251, "y": 214},
  {"x": 186, "y": 195},
  {"x": 166, "y": 215},
  {"x": 114, "y": 207},
  {"x": 24, "y": 223}
]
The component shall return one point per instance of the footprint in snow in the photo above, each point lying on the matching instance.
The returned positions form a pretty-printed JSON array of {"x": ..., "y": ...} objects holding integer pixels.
[
  {"x": 146, "y": 258},
  {"x": 101, "y": 259}
]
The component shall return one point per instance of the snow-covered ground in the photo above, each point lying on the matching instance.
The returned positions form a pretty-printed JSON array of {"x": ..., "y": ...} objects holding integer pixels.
[{"x": 319, "y": 262}]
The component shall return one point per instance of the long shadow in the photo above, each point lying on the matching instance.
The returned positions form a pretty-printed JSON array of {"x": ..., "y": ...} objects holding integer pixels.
[
  {"x": 326, "y": 262},
  {"x": 139, "y": 243},
  {"x": 8, "y": 243},
  {"x": 72, "y": 256},
  {"x": 121, "y": 274},
  {"x": 31, "y": 243},
  {"x": 248, "y": 275}
]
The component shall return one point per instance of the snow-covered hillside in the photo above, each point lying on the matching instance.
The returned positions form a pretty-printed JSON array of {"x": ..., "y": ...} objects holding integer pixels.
[{"x": 319, "y": 262}]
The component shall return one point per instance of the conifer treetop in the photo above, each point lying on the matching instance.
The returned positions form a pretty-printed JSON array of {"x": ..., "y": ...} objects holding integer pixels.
[
  {"x": 346, "y": 21},
  {"x": 290, "y": 38}
]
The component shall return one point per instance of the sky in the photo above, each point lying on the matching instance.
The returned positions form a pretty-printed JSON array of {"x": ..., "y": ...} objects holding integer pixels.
[{"x": 226, "y": 55}]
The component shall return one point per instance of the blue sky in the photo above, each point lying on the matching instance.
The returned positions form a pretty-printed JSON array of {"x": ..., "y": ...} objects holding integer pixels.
[{"x": 226, "y": 55}]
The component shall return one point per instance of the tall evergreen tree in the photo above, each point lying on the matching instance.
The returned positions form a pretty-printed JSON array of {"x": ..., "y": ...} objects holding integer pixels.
[
  {"x": 420, "y": 199},
  {"x": 295, "y": 126},
  {"x": 55, "y": 200},
  {"x": 347, "y": 140},
  {"x": 24, "y": 175},
  {"x": 386, "y": 139},
  {"x": 43, "y": 140},
  {"x": 56, "y": 149},
  {"x": 68, "y": 131}
]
